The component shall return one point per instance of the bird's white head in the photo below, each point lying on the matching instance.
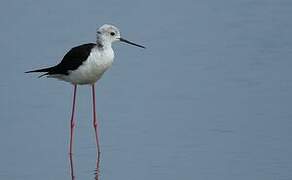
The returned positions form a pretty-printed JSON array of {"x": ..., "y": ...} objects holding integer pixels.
[{"x": 107, "y": 34}]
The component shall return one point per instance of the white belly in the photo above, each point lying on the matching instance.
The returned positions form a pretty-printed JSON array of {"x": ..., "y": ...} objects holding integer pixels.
[{"x": 92, "y": 69}]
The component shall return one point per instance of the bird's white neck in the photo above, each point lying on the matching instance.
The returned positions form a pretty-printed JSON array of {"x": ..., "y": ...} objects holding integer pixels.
[{"x": 102, "y": 43}]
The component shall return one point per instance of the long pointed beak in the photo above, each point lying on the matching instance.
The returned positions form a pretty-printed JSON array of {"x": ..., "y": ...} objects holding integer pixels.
[{"x": 129, "y": 42}]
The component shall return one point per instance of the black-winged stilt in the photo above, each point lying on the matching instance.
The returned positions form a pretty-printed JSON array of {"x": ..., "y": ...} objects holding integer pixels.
[{"x": 85, "y": 64}]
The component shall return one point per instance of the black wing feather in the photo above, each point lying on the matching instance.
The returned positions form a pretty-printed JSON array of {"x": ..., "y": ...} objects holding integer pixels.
[{"x": 71, "y": 61}]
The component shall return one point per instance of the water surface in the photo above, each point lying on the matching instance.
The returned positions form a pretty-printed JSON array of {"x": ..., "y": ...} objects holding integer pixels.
[{"x": 210, "y": 98}]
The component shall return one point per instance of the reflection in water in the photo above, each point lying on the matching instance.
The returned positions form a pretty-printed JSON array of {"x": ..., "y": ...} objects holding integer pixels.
[
  {"x": 71, "y": 166},
  {"x": 96, "y": 171}
]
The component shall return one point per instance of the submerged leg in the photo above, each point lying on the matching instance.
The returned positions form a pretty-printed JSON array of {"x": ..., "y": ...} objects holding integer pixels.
[
  {"x": 72, "y": 123},
  {"x": 95, "y": 123}
]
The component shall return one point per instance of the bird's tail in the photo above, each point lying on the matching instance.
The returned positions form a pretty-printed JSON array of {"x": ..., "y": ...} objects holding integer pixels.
[{"x": 45, "y": 70}]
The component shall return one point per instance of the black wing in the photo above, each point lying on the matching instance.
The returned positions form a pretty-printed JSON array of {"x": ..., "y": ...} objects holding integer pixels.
[{"x": 73, "y": 59}]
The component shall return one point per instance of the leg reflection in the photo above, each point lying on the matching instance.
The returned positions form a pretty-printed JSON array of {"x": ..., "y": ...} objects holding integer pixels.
[
  {"x": 71, "y": 167},
  {"x": 96, "y": 173},
  {"x": 96, "y": 177}
]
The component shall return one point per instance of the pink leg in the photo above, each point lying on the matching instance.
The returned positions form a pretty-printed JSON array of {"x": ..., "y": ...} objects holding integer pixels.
[
  {"x": 72, "y": 119},
  {"x": 95, "y": 124}
]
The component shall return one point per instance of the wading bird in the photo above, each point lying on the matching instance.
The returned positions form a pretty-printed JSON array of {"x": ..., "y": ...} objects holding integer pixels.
[{"x": 85, "y": 65}]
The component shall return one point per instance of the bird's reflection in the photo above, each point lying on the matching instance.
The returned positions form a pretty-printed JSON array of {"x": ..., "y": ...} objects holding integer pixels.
[
  {"x": 71, "y": 166},
  {"x": 96, "y": 170}
]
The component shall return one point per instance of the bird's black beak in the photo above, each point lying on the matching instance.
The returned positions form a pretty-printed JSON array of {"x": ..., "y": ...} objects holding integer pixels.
[{"x": 129, "y": 42}]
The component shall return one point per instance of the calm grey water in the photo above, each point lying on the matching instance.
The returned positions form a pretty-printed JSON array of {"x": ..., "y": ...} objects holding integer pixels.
[{"x": 209, "y": 99}]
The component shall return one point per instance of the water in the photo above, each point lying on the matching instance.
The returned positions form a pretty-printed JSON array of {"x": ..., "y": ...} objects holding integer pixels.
[{"x": 209, "y": 99}]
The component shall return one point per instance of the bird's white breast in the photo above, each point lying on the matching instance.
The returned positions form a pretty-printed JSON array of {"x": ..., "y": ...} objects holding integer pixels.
[{"x": 93, "y": 68}]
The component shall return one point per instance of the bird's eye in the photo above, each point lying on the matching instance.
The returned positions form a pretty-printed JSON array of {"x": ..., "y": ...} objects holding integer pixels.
[{"x": 112, "y": 33}]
